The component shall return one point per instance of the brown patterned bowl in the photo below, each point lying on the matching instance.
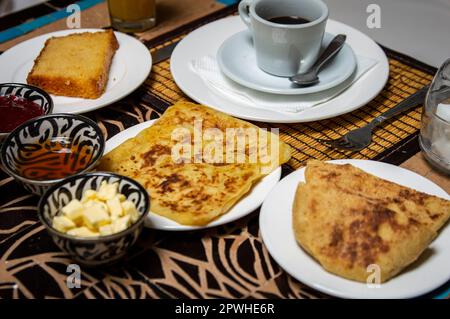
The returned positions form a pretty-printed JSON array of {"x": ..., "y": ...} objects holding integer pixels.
[{"x": 101, "y": 250}]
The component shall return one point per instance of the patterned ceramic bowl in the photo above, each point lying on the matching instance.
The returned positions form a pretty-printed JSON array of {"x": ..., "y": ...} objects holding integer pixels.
[
  {"x": 100, "y": 250},
  {"x": 29, "y": 93},
  {"x": 43, "y": 151}
]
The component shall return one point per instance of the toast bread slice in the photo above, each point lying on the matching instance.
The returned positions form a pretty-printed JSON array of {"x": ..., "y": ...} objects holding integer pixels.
[{"x": 76, "y": 65}]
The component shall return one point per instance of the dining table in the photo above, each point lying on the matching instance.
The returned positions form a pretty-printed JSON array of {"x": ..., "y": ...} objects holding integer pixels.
[{"x": 229, "y": 261}]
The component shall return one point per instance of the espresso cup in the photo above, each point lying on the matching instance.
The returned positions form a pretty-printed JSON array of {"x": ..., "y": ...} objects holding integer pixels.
[{"x": 285, "y": 49}]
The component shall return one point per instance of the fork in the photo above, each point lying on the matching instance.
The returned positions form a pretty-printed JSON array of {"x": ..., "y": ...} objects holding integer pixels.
[{"x": 360, "y": 138}]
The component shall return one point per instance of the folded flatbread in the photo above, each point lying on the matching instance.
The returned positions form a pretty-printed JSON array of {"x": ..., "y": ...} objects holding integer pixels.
[
  {"x": 194, "y": 184},
  {"x": 348, "y": 220}
]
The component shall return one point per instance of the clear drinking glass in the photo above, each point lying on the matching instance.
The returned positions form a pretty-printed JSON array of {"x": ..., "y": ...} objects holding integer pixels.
[
  {"x": 132, "y": 15},
  {"x": 435, "y": 132}
]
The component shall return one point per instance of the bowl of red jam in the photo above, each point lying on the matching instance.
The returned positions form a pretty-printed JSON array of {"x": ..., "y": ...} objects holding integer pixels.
[
  {"x": 20, "y": 103},
  {"x": 45, "y": 150}
]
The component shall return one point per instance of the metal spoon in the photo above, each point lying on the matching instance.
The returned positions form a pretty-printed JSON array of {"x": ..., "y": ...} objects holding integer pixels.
[{"x": 310, "y": 77}]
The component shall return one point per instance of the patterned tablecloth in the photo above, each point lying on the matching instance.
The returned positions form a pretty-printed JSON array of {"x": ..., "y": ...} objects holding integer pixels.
[{"x": 228, "y": 261}]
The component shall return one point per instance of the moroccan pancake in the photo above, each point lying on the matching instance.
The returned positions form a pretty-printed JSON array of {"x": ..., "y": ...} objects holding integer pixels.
[
  {"x": 183, "y": 114},
  {"x": 347, "y": 225},
  {"x": 190, "y": 184},
  {"x": 429, "y": 209}
]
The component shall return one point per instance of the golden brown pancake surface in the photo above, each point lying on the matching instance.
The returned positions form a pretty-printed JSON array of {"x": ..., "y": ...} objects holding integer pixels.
[
  {"x": 346, "y": 223},
  {"x": 189, "y": 189}
]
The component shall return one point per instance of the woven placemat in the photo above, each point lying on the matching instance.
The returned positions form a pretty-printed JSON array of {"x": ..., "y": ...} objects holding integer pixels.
[{"x": 404, "y": 80}]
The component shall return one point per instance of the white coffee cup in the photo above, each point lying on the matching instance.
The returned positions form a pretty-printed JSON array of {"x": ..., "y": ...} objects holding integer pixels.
[{"x": 285, "y": 49}]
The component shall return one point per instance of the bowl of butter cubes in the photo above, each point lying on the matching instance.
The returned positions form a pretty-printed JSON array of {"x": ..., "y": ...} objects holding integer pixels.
[{"x": 95, "y": 217}]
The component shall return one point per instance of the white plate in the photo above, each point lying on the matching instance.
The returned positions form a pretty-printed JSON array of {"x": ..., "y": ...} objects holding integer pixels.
[
  {"x": 129, "y": 69},
  {"x": 238, "y": 51},
  {"x": 207, "y": 40},
  {"x": 245, "y": 206},
  {"x": 428, "y": 273}
]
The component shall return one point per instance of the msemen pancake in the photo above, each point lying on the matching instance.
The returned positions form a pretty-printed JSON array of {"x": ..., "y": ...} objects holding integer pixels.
[
  {"x": 343, "y": 219},
  {"x": 432, "y": 210},
  {"x": 189, "y": 189}
]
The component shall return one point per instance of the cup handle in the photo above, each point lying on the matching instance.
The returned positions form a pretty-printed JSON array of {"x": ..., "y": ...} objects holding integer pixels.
[{"x": 243, "y": 12}]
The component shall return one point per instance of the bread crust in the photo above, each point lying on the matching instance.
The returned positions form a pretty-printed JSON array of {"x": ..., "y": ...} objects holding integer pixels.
[{"x": 89, "y": 88}]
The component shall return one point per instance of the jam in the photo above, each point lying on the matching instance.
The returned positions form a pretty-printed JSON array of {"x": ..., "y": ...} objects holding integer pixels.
[{"x": 15, "y": 110}]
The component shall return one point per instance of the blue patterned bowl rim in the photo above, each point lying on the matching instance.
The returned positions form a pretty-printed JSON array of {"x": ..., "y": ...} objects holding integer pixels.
[
  {"x": 18, "y": 129},
  {"x": 69, "y": 179}
]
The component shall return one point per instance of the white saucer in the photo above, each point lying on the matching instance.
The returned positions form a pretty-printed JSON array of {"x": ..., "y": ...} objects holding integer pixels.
[
  {"x": 237, "y": 60},
  {"x": 129, "y": 69},
  {"x": 245, "y": 206},
  {"x": 207, "y": 40},
  {"x": 429, "y": 272}
]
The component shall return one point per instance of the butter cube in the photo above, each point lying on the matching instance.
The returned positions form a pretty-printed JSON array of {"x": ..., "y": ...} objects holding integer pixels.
[
  {"x": 95, "y": 216},
  {"x": 130, "y": 209},
  {"x": 115, "y": 207},
  {"x": 121, "y": 224},
  {"x": 62, "y": 223},
  {"x": 96, "y": 203},
  {"x": 73, "y": 210},
  {"x": 90, "y": 194},
  {"x": 82, "y": 232},
  {"x": 107, "y": 191},
  {"x": 106, "y": 230},
  {"x": 102, "y": 212}
]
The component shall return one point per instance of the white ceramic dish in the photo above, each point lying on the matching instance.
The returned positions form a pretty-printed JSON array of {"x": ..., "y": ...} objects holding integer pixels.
[
  {"x": 237, "y": 60},
  {"x": 130, "y": 67},
  {"x": 426, "y": 274},
  {"x": 207, "y": 40}
]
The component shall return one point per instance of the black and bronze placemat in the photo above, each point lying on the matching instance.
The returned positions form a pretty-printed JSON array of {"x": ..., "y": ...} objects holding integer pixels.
[{"x": 229, "y": 261}]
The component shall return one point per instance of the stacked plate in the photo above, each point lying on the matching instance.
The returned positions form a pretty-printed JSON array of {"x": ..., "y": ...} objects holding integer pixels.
[{"x": 216, "y": 65}]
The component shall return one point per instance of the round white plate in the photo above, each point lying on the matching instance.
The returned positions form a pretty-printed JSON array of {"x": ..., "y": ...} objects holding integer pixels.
[
  {"x": 130, "y": 67},
  {"x": 237, "y": 60},
  {"x": 207, "y": 40},
  {"x": 245, "y": 206},
  {"x": 426, "y": 274}
]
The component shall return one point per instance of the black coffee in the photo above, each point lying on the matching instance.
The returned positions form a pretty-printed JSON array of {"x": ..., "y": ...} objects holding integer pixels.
[{"x": 289, "y": 20}]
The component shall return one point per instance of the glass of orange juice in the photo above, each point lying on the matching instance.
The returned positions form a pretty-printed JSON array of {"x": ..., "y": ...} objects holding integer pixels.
[{"x": 132, "y": 15}]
